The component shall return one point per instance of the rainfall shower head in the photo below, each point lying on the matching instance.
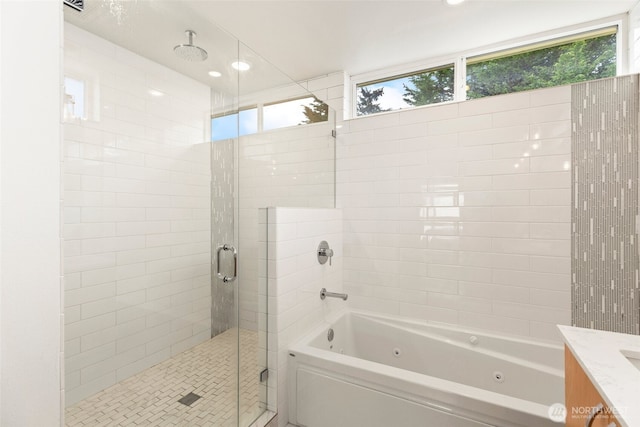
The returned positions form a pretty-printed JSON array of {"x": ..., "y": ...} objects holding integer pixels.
[{"x": 189, "y": 51}]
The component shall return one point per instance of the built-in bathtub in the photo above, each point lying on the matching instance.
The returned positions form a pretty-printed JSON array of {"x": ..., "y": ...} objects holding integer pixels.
[{"x": 384, "y": 371}]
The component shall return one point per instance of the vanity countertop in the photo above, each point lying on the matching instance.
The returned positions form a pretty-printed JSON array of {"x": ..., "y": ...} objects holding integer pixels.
[{"x": 612, "y": 362}]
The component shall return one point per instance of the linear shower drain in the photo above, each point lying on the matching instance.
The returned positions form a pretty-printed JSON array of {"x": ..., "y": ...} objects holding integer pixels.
[{"x": 189, "y": 399}]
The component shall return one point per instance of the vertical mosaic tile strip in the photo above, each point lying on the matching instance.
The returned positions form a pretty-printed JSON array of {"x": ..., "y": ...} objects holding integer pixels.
[
  {"x": 222, "y": 227},
  {"x": 604, "y": 207}
]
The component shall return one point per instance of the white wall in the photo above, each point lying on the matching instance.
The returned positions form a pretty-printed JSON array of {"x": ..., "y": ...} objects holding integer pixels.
[
  {"x": 30, "y": 275},
  {"x": 1, "y": 280},
  {"x": 459, "y": 213},
  {"x": 295, "y": 279},
  {"x": 137, "y": 215}
]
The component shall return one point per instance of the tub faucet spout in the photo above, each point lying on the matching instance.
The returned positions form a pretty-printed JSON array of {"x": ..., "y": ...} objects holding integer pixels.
[{"x": 324, "y": 293}]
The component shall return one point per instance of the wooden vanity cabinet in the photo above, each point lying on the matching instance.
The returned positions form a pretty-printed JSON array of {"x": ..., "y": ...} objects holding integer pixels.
[{"x": 581, "y": 397}]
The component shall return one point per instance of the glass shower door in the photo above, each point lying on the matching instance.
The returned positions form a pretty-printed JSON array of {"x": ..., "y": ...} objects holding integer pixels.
[
  {"x": 238, "y": 304},
  {"x": 271, "y": 145}
]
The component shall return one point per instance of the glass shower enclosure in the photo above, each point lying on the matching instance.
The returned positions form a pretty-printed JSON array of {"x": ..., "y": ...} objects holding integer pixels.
[{"x": 166, "y": 164}]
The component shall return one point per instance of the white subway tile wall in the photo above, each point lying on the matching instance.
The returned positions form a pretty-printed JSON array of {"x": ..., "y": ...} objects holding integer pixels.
[
  {"x": 295, "y": 278},
  {"x": 136, "y": 212},
  {"x": 459, "y": 213},
  {"x": 285, "y": 167}
]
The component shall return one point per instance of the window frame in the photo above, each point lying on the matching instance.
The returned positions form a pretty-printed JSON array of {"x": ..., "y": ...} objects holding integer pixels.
[
  {"x": 453, "y": 64},
  {"x": 459, "y": 60},
  {"x": 402, "y": 71}
]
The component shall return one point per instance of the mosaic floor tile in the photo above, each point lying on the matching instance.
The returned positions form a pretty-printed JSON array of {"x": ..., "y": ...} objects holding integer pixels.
[{"x": 151, "y": 398}]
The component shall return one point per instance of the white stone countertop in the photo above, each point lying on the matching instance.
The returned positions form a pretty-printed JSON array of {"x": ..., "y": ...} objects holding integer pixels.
[{"x": 603, "y": 357}]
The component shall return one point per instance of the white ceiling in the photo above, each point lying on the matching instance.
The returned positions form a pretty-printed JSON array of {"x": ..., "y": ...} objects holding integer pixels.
[{"x": 309, "y": 38}]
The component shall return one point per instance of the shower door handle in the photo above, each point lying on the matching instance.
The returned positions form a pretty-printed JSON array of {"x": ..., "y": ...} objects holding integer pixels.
[{"x": 227, "y": 279}]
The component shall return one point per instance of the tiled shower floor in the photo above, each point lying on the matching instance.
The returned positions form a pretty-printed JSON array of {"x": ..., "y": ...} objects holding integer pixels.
[{"x": 150, "y": 398}]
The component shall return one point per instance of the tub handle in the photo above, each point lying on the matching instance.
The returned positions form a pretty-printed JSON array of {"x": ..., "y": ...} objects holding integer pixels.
[
  {"x": 594, "y": 413},
  {"x": 227, "y": 279}
]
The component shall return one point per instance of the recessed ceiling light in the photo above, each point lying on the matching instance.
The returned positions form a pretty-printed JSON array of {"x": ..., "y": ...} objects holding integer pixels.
[
  {"x": 453, "y": 2},
  {"x": 155, "y": 92},
  {"x": 215, "y": 73},
  {"x": 241, "y": 66}
]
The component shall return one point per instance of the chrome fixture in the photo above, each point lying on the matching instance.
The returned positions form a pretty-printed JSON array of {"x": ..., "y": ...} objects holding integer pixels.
[
  {"x": 227, "y": 279},
  {"x": 189, "y": 51},
  {"x": 324, "y": 253},
  {"x": 324, "y": 293}
]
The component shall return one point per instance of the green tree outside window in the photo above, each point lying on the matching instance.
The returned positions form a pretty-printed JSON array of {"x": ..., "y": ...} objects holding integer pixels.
[{"x": 558, "y": 65}]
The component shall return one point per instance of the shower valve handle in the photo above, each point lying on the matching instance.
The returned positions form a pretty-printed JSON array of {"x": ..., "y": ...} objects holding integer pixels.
[{"x": 324, "y": 253}]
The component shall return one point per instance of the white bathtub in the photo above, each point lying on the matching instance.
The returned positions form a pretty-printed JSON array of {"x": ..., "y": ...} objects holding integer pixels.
[{"x": 388, "y": 372}]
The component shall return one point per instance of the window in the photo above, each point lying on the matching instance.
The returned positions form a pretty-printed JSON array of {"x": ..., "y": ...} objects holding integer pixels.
[
  {"x": 233, "y": 125},
  {"x": 276, "y": 115},
  {"x": 74, "y": 97},
  {"x": 552, "y": 62},
  {"x": 294, "y": 112},
  {"x": 409, "y": 90},
  {"x": 588, "y": 58}
]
